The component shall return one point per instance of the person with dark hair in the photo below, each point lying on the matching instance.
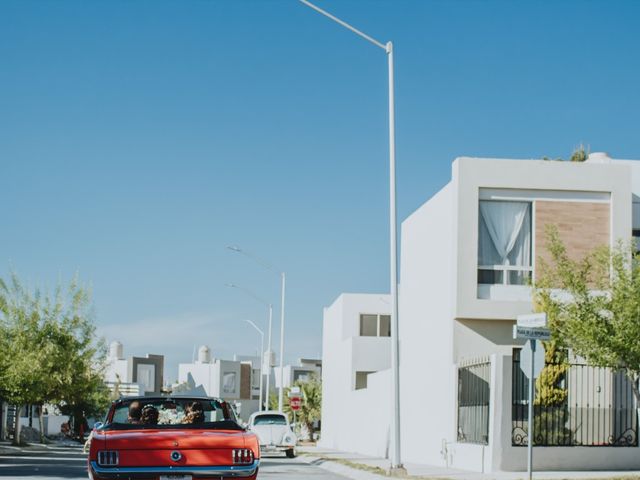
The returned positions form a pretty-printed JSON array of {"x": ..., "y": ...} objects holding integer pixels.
[
  {"x": 194, "y": 413},
  {"x": 149, "y": 415},
  {"x": 135, "y": 411}
]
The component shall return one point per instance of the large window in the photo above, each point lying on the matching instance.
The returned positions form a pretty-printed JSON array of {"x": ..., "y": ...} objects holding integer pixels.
[
  {"x": 375, "y": 325},
  {"x": 504, "y": 242}
]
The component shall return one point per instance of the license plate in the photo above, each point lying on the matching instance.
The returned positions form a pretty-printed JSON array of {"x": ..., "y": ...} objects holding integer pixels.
[{"x": 175, "y": 477}]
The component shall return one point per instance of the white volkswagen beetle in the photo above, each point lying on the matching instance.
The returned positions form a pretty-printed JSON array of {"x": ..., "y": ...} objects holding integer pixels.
[{"x": 274, "y": 432}]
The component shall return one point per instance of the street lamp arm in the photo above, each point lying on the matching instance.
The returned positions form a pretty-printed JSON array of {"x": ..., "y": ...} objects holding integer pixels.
[
  {"x": 248, "y": 292},
  {"x": 346, "y": 25},
  {"x": 255, "y": 258},
  {"x": 255, "y": 326}
]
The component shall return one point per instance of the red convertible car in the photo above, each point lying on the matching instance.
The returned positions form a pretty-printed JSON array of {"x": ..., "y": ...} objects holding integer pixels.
[{"x": 172, "y": 438}]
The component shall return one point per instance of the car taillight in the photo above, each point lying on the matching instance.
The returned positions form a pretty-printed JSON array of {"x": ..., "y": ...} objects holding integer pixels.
[
  {"x": 242, "y": 456},
  {"x": 108, "y": 458}
]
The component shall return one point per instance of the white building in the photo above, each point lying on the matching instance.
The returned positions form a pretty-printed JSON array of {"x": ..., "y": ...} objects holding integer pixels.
[
  {"x": 467, "y": 256},
  {"x": 302, "y": 372},
  {"x": 355, "y": 346},
  {"x": 134, "y": 375},
  {"x": 229, "y": 380}
]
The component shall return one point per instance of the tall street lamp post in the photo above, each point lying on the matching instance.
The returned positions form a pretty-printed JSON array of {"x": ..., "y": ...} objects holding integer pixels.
[
  {"x": 283, "y": 282},
  {"x": 396, "y": 463},
  {"x": 262, "y": 360},
  {"x": 261, "y": 357}
]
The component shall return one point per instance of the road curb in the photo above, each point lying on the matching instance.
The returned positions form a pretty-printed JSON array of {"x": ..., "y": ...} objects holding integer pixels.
[{"x": 344, "y": 470}]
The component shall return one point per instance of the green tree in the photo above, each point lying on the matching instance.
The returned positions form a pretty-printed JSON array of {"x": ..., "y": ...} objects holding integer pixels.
[
  {"x": 22, "y": 380},
  {"x": 52, "y": 354},
  {"x": 598, "y": 317},
  {"x": 311, "y": 404}
]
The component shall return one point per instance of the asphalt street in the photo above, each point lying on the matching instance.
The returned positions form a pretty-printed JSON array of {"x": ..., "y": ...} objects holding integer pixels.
[{"x": 70, "y": 463}]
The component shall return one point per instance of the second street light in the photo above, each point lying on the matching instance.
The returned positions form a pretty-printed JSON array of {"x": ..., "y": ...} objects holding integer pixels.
[
  {"x": 283, "y": 281},
  {"x": 396, "y": 463},
  {"x": 262, "y": 360}
]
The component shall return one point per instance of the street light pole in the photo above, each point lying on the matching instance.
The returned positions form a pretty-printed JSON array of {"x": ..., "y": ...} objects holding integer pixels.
[
  {"x": 268, "y": 373},
  {"x": 281, "y": 391},
  {"x": 261, "y": 359},
  {"x": 269, "y": 266},
  {"x": 396, "y": 463}
]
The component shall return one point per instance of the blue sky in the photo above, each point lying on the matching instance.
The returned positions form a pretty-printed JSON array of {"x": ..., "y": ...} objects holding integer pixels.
[{"x": 138, "y": 138}]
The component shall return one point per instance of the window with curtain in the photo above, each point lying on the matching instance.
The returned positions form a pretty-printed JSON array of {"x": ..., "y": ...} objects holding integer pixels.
[{"x": 504, "y": 242}]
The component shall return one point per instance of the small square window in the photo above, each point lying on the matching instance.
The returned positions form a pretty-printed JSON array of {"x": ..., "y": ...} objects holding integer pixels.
[
  {"x": 361, "y": 380},
  {"x": 368, "y": 325}
]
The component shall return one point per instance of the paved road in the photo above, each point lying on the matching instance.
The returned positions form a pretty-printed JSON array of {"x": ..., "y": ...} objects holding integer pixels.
[{"x": 68, "y": 463}]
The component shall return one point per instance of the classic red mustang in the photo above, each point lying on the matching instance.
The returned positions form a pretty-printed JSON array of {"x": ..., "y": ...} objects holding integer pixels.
[{"x": 172, "y": 438}]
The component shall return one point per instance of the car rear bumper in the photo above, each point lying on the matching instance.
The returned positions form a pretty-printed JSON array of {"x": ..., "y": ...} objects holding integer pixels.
[
  {"x": 231, "y": 471},
  {"x": 275, "y": 448}
]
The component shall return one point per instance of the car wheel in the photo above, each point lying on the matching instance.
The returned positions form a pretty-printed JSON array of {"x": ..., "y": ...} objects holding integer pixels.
[{"x": 291, "y": 453}]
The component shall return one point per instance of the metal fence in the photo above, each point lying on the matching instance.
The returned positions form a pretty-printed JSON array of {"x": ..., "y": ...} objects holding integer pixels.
[
  {"x": 592, "y": 406},
  {"x": 474, "y": 382}
]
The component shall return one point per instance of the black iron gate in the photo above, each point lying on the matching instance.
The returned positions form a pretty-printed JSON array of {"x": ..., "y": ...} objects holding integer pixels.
[{"x": 593, "y": 406}]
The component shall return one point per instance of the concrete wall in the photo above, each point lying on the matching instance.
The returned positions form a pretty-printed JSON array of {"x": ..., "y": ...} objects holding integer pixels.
[
  {"x": 210, "y": 377},
  {"x": 335, "y": 383},
  {"x": 197, "y": 374},
  {"x": 117, "y": 367},
  {"x": 427, "y": 370},
  {"x": 351, "y": 419},
  {"x": 364, "y": 422}
]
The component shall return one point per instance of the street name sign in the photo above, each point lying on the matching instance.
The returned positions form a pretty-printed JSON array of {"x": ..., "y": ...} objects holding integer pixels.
[
  {"x": 531, "y": 333},
  {"x": 532, "y": 320},
  {"x": 294, "y": 392}
]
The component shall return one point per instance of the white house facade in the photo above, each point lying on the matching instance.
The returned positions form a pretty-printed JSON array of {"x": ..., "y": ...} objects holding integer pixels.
[
  {"x": 468, "y": 256},
  {"x": 356, "y": 356}
]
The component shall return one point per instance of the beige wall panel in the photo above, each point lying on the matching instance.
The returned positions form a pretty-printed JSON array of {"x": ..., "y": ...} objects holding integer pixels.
[{"x": 582, "y": 226}]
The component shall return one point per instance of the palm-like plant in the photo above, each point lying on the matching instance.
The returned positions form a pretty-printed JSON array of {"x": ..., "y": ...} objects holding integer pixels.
[{"x": 311, "y": 404}]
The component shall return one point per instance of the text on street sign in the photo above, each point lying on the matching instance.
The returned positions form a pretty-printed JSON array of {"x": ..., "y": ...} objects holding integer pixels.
[{"x": 531, "y": 333}]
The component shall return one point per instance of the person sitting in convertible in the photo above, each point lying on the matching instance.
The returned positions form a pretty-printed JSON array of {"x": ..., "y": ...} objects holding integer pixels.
[
  {"x": 135, "y": 411},
  {"x": 149, "y": 415},
  {"x": 194, "y": 413}
]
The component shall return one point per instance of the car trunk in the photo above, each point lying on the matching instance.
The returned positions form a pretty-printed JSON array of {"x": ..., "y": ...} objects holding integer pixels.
[
  {"x": 153, "y": 447},
  {"x": 270, "y": 434}
]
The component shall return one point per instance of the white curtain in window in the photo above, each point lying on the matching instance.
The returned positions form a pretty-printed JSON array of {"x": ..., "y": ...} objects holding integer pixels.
[{"x": 504, "y": 233}]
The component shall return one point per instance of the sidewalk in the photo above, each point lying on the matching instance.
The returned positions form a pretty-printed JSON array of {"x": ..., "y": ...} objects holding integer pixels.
[
  {"x": 64, "y": 444},
  {"x": 361, "y": 467}
]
